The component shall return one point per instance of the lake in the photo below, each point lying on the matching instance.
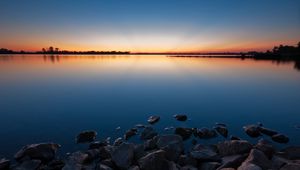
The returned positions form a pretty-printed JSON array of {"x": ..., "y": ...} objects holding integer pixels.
[{"x": 53, "y": 98}]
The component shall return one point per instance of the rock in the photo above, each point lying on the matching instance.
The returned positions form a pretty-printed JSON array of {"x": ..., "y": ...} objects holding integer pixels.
[
  {"x": 129, "y": 133},
  {"x": 118, "y": 142},
  {"x": 43, "y": 151},
  {"x": 187, "y": 160},
  {"x": 4, "y": 164},
  {"x": 205, "y": 133},
  {"x": 86, "y": 136},
  {"x": 139, "y": 151},
  {"x": 233, "y": 161},
  {"x": 234, "y": 147},
  {"x": 234, "y": 138},
  {"x": 280, "y": 138},
  {"x": 107, "y": 140},
  {"x": 188, "y": 167},
  {"x": 97, "y": 145},
  {"x": 249, "y": 166},
  {"x": 258, "y": 158},
  {"x": 173, "y": 166},
  {"x": 204, "y": 153},
  {"x": 267, "y": 131},
  {"x": 29, "y": 165},
  {"x": 209, "y": 165},
  {"x": 109, "y": 163},
  {"x": 78, "y": 158},
  {"x": 291, "y": 152},
  {"x": 265, "y": 147},
  {"x": 252, "y": 131},
  {"x": 153, "y": 119},
  {"x": 55, "y": 165},
  {"x": 123, "y": 155},
  {"x": 105, "y": 152},
  {"x": 291, "y": 166},
  {"x": 185, "y": 133},
  {"x": 140, "y": 126},
  {"x": 150, "y": 144},
  {"x": 148, "y": 133},
  {"x": 93, "y": 154},
  {"x": 103, "y": 167},
  {"x": 172, "y": 145},
  {"x": 154, "y": 161},
  {"x": 180, "y": 117},
  {"x": 221, "y": 124},
  {"x": 134, "y": 168},
  {"x": 279, "y": 162},
  {"x": 222, "y": 130}
]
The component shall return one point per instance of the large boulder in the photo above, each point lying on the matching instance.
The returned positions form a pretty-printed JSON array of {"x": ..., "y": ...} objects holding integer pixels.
[
  {"x": 123, "y": 155},
  {"x": 187, "y": 160},
  {"x": 154, "y": 161},
  {"x": 249, "y": 166},
  {"x": 204, "y": 153},
  {"x": 205, "y": 133},
  {"x": 148, "y": 133},
  {"x": 209, "y": 165},
  {"x": 232, "y": 161},
  {"x": 291, "y": 166},
  {"x": 234, "y": 147},
  {"x": 77, "y": 161},
  {"x": 130, "y": 133},
  {"x": 291, "y": 152},
  {"x": 86, "y": 136},
  {"x": 222, "y": 130},
  {"x": 258, "y": 158},
  {"x": 267, "y": 131},
  {"x": 43, "y": 151},
  {"x": 103, "y": 167},
  {"x": 266, "y": 147},
  {"x": 172, "y": 145},
  {"x": 31, "y": 164},
  {"x": 280, "y": 138}
]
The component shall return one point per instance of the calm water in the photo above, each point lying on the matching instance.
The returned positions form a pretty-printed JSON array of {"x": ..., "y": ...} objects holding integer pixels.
[{"x": 53, "y": 98}]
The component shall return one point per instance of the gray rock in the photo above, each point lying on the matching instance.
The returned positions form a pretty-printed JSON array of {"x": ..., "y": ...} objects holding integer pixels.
[
  {"x": 252, "y": 130},
  {"x": 265, "y": 147},
  {"x": 280, "y": 138},
  {"x": 172, "y": 145},
  {"x": 185, "y": 133},
  {"x": 291, "y": 152},
  {"x": 103, "y": 167},
  {"x": 174, "y": 166},
  {"x": 134, "y": 168},
  {"x": 279, "y": 162},
  {"x": 118, "y": 142},
  {"x": 150, "y": 144},
  {"x": 86, "y": 136},
  {"x": 180, "y": 117},
  {"x": 43, "y": 151},
  {"x": 76, "y": 160},
  {"x": 234, "y": 147},
  {"x": 222, "y": 130},
  {"x": 139, "y": 151},
  {"x": 209, "y": 165},
  {"x": 204, "y": 153},
  {"x": 4, "y": 164},
  {"x": 267, "y": 131},
  {"x": 109, "y": 163},
  {"x": 29, "y": 165},
  {"x": 232, "y": 161},
  {"x": 93, "y": 154},
  {"x": 258, "y": 158},
  {"x": 291, "y": 166},
  {"x": 55, "y": 165},
  {"x": 153, "y": 119},
  {"x": 187, "y": 160},
  {"x": 154, "y": 161},
  {"x": 123, "y": 155},
  {"x": 249, "y": 166},
  {"x": 148, "y": 133}
]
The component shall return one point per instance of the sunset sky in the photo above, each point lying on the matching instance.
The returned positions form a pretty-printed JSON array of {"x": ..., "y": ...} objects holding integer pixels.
[{"x": 149, "y": 26}]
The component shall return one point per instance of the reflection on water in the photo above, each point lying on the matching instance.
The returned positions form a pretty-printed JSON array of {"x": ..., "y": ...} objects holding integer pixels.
[{"x": 52, "y": 98}]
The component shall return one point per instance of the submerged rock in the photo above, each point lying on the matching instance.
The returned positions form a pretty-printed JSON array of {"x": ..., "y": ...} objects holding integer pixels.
[
  {"x": 185, "y": 133},
  {"x": 234, "y": 147},
  {"x": 43, "y": 151},
  {"x": 4, "y": 164},
  {"x": 148, "y": 133},
  {"x": 280, "y": 138},
  {"x": 180, "y": 117},
  {"x": 123, "y": 155},
  {"x": 252, "y": 131},
  {"x": 86, "y": 136},
  {"x": 222, "y": 130},
  {"x": 153, "y": 119},
  {"x": 267, "y": 131}
]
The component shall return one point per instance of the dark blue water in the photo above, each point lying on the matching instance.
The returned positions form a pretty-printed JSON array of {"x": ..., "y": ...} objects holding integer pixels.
[{"x": 46, "y": 99}]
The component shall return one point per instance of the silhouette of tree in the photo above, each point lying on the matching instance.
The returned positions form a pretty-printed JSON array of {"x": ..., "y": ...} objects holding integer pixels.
[
  {"x": 44, "y": 50},
  {"x": 51, "y": 49},
  {"x": 56, "y": 50},
  {"x": 299, "y": 44}
]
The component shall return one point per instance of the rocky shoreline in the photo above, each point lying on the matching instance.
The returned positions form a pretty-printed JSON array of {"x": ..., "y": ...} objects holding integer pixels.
[{"x": 164, "y": 151}]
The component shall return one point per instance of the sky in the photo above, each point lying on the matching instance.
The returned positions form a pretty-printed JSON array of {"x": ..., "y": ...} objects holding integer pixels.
[{"x": 149, "y": 26}]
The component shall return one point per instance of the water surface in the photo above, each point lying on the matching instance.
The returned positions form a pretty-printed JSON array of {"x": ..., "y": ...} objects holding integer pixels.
[{"x": 52, "y": 98}]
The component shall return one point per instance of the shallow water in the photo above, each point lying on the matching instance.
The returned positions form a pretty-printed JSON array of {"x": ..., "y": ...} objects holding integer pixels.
[{"x": 52, "y": 98}]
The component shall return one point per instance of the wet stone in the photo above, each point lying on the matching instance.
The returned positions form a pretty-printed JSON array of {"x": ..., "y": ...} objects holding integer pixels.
[
  {"x": 86, "y": 136},
  {"x": 222, "y": 130},
  {"x": 180, "y": 117},
  {"x": 153, "y": 119},
  {"x": 234, "y": 147},
  {"x": 148, "y": 133},
  {"x": 4, "y": 164},
  {"x": 280, "y": 138},
  {"x": 123, "y": 155},
  {"x": 252, "y": 131},
  {"x": 185, "y": 133}
]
